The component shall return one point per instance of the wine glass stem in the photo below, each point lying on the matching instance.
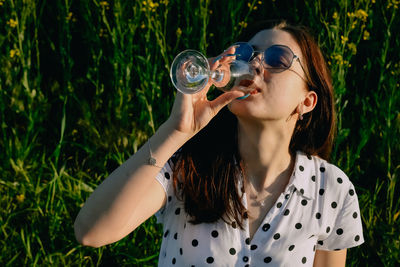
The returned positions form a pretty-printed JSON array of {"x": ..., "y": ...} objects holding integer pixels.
[{"x": 217, "y": 75}]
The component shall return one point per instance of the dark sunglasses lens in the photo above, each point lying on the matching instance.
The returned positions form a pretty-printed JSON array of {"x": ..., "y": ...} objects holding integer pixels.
[
  {"x": 278, "y": 57},
  {"x": 244, "y": 51}
]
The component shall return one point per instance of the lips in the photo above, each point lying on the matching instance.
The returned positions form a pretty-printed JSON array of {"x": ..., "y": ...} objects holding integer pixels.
[
  {"x": 250, "y": 84},
  {"x": 255, "y": 91}
]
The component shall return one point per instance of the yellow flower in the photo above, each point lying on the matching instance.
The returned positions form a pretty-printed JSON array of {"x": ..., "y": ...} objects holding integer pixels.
[
  {"x": 338, "y": 58},
  {"x": 361, "y": 14},
  {"x": 248, "y": 4},
  {"x": 210, "y": 12},
  {"x": 366, "y": 35},
  {"x": 255, "y": 7},
  {"x": 394, "y": 3},
  {"x": 104, "y": 3},
  {"x": 12, "y": 23},
  {"x": 344, "y": 39},
  {"x": 20, "y": 198},
  {"x": 352, "y": 48},
  {"x": 178, "y": 32},
  {"x": 335, "y": 15},
  {"x": 259, "y": 2},
  {"x": 69, "y": 17},
  {"x": 142, "y": 26},
  {"x": 14, "y": 53},
  {"x": 243, "y": 24}
]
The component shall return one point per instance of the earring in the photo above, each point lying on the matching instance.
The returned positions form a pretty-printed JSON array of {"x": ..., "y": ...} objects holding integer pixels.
[{"x": 300, "y": 110}]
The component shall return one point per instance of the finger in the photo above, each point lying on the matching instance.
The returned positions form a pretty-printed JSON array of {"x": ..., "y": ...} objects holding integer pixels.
[
  {"x": 214, "y": 62},
  {"x": 227, "y": 55},
  {"x": 224, "y": 99},
  {"x": 219, "y": 61},
  {"x": 231, "y": 49}
]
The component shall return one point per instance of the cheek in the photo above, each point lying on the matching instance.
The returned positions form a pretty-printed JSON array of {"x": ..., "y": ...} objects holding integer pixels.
[{"x": 281, "y": 96}]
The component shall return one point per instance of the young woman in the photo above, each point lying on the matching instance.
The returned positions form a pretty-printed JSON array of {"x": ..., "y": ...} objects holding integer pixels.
[{"x": 248, "y": 185}]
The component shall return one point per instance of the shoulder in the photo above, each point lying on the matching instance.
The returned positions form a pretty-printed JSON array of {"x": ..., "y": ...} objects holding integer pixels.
[
  {"x": 334, "y": 181},
  {"x": 336, "y": 200},
  {"x": 322, "y": 168},
  {"x": 331, "y": 172},
  {"x": 327, "y": 179}
]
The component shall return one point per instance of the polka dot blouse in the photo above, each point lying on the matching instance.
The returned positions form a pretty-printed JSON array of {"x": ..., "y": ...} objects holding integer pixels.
[{"x": 317, "y": 210}]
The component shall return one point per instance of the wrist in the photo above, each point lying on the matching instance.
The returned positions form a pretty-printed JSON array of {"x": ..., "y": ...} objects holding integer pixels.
[{"x": 171, "y": 127}]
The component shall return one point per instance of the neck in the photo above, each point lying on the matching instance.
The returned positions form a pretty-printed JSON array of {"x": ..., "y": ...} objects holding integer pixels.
[{"x": 264, "y": 149}]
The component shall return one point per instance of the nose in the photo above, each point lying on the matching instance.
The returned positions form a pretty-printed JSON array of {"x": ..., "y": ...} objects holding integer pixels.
[{"x": 257, "y": 64}]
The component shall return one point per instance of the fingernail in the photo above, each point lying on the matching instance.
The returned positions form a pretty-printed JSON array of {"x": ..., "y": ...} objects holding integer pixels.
[
  {"x": 243, "y": 97},
  {"x": 217, "y": 58}
]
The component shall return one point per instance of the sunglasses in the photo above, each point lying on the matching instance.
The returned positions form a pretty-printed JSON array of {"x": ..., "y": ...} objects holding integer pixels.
[{"x": 276, "y": 58}]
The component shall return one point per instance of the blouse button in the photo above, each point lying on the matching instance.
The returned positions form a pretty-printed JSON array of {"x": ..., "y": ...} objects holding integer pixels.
[{"x": 245, "y": 259}]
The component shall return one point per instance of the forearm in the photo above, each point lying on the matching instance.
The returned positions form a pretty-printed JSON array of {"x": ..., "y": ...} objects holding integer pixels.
[{"x": 113, "y": 208}]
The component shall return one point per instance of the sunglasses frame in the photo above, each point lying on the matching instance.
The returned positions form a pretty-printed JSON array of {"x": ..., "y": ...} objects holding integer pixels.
[{"x": 272, "y": 69}]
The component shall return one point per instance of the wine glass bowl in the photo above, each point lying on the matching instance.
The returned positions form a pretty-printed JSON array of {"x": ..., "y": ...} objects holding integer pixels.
[{"x": 190, "y": 72}]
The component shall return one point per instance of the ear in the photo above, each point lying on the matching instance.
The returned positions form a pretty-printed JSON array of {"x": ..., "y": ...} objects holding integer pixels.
[{"x": 310, "y": 101}]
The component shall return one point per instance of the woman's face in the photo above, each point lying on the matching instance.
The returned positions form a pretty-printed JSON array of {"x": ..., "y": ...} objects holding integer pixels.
[{"x": 277, "y": 94}]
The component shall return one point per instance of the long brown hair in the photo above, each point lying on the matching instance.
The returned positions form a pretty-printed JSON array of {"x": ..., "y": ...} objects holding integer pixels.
[{"x": 207, "y": 169}]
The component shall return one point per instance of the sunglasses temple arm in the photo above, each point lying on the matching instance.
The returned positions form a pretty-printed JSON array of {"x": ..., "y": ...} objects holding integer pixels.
[{"x": 308, "y": 80}]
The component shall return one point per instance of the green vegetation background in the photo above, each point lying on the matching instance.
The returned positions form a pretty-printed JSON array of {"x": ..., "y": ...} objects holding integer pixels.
[{"x": 84, "y": 83}]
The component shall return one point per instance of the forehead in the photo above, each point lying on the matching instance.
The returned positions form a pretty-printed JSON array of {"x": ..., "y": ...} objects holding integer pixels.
[{"x": 266, "y": 38}]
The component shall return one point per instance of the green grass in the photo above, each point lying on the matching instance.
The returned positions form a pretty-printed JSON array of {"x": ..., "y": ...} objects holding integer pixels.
[{"x": 84, "y": 83}]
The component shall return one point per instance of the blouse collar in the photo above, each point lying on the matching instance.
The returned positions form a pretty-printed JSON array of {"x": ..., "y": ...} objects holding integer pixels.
[{"x": 303, "y": 176}]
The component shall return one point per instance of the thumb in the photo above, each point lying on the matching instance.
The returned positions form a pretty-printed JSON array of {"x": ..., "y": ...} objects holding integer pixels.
[{"x": 224, "y": 99}]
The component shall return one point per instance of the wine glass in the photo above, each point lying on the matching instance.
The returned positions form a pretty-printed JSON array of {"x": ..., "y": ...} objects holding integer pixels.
[{"x": 190, "y": 72}]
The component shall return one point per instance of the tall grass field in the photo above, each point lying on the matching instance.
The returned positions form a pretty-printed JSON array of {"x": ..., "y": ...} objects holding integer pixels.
[{"x": 83, "y": 84}]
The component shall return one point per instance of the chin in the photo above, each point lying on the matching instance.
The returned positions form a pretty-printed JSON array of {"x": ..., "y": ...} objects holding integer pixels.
[{"x": 245, "y": 109}]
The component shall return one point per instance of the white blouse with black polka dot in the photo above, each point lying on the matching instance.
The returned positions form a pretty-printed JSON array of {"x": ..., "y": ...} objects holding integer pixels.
[{"x": 318, "y": 210}]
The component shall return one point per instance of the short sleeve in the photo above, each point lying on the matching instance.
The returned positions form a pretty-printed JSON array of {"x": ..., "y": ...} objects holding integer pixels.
[
  {"x": 347, "y": 231},
  {"x": 164, "y": 177}
]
